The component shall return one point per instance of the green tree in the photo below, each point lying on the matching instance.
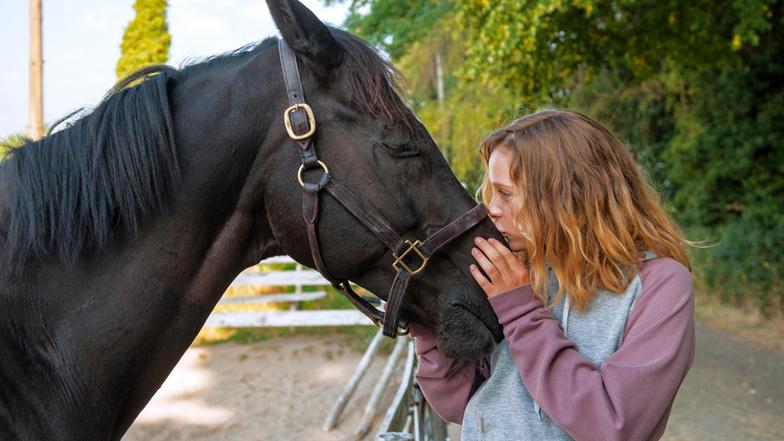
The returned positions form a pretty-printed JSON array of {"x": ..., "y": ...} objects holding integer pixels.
[
  {"x": 695, "y": 88},
  {"x": 468, "y": 110},
  {"x": 10, "y": 142},
  {"x": 146, "y": 40},
  {"x": 393, "y": 25},
  {"x": 421, "y": 37}
]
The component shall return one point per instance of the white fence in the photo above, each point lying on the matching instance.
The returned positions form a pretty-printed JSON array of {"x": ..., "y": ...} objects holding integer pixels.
[
  {"x": 298, "y": 278},
  {"x": 409, "y": 417}
]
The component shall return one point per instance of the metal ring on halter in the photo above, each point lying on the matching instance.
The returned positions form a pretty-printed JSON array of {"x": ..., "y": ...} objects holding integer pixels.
[{"x": 302, "y": 168}]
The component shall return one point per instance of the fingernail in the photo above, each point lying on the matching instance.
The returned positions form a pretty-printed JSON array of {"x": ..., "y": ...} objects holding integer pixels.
[{"x": 478, "y": 240}]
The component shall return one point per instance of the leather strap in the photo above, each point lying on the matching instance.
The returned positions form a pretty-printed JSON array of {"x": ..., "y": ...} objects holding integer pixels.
[
  {"x": 394, "y": 301},
  {"x": 390, "y": 321},
  {"x": 454, "y": 229},
  {"x": 296, "y": 95},
  {"x": 372, "y": 221},
  {"x": 288, "y": 62},
  {"x": 376, "y": 316}
]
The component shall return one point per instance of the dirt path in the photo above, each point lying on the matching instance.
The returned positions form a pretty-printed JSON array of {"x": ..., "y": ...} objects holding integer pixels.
[
  {"x": 275, "y": 390},
  {"x": 282, "y": 390},
  {"x": 734, "y": 391}
]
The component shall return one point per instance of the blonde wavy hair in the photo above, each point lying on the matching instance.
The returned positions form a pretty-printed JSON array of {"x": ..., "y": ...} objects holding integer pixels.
[{"x": 582, "y": 204}]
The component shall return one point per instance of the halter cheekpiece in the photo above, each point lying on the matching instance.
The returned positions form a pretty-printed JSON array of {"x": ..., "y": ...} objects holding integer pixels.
[{"x": 300, "y": 123}]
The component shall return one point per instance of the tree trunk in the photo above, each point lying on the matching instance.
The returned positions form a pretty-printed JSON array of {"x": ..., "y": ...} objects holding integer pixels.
[
  {"x": 36, "y": 72},
  {"x": 442, "y": 129},
  {"x": 439, "y": 81}
]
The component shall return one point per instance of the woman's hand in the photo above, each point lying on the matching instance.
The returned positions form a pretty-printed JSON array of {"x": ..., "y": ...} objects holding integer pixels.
[{"x": 504, "y": 271}]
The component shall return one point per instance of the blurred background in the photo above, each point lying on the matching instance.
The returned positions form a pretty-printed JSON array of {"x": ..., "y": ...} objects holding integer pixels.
[{"x": 696, "y": 89}]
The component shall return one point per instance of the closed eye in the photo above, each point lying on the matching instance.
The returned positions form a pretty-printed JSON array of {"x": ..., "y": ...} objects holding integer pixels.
[
  {"x": 503, "y": 193},
  {"x": 403, "y": 150}
]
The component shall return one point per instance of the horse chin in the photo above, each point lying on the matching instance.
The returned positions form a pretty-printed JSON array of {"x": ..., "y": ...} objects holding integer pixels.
[{"x": 464, "y": 336}]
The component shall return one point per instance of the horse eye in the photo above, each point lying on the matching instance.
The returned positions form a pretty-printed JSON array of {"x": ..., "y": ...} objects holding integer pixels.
[{"x": 400, "y": 150}]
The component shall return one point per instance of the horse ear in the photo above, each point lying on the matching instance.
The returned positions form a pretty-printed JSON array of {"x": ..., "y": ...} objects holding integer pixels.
[{"x": 305, "y": 33}]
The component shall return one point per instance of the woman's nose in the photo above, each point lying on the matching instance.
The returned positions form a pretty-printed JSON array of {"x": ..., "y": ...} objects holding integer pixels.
[{"x": 493, "y": 210}]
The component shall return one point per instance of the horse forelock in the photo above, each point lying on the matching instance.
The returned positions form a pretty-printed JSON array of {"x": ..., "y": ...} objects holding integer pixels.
[{"x": 375, "y": 82}]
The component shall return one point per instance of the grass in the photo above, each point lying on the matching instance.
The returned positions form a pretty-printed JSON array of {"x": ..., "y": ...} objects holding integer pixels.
[
  {"x": 743, "y": 320},
  {"x": 358, "y": 336}
]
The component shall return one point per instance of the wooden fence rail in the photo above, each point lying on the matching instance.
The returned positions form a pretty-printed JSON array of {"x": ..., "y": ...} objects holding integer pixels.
[
  {"x": 298, "y": 278},
  {"x": 409, "y": 417}
]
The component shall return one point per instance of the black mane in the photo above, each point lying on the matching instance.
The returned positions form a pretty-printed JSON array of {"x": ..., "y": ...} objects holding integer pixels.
[
  {"x": 70, "y": 190},
  {"x": 111, "y": 169}
]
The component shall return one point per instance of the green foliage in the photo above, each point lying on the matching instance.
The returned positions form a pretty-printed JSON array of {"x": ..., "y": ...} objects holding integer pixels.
[
  {"x": 537, "y": 49},
  {"x": 146, "y": 40},
  {"x": 467, "y": 114},
  {"x": 356, "y": 337},
  {"x": 695, "y": 88},
  {"x": 728, "y": 157},
  {"x": 10, "y": 142},
  {"x": 395, "y": 24}
]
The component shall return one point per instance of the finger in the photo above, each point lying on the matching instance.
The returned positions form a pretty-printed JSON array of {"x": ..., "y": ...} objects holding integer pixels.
[
  {"x": 487, "y": 266},
  {"x": 481, "y": 280},
  {"x": 518, "y": 272},
  {"x": 493, "y": 255},
  {"x": 505, "y": 253}
]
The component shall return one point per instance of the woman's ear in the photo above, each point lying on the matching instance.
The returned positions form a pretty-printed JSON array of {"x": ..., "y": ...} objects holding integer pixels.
[{"x": 305, "y": 33}]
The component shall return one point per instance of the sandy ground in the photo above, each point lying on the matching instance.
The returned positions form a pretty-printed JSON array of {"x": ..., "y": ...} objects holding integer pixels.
[
  {"x": 280, "y": 389},
  {"x": 283, "y": 389}
]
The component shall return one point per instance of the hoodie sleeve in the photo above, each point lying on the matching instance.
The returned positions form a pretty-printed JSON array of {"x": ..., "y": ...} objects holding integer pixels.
[
  {"x": 630, "y": 395},
  {"x": 446, "y": 383}
]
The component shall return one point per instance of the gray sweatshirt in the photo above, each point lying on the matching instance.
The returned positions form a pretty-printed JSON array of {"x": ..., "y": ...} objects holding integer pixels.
[{"x": 609, "y": 372}]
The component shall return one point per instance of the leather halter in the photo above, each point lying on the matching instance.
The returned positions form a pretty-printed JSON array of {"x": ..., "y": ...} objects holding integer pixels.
[{"x": 301, "y": 126}]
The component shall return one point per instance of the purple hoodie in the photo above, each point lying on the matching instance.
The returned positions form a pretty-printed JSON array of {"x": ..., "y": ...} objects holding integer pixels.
[{"x": 627, "y": 397}]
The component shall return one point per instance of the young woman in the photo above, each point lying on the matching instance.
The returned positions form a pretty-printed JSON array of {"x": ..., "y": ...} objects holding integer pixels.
[{"x": 596, "y": 302}]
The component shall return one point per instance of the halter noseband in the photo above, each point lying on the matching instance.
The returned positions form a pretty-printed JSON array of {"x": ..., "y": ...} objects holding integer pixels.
[{"x": 301, "y": 126}]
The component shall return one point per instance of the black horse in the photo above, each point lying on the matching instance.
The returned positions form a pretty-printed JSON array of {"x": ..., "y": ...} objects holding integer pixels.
[{"x": 120, "y": 232}]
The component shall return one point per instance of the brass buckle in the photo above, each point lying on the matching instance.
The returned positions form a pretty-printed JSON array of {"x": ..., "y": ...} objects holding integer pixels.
[
  {"x": 399, "y": 259},
  {"x": 290, "y": 126},
  {"x": 302, "y": 168}
]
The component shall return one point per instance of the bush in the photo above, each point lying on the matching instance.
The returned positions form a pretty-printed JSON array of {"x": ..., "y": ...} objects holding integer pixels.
[{"x": 10, "y": 142}]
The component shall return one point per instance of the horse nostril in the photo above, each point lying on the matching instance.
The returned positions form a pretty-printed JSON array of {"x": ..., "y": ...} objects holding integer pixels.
[
  {"x": 461, "y": 303},
  {"x": 464, "y": 335}
]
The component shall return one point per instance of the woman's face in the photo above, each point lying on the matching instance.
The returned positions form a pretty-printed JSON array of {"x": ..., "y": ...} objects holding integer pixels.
[{"x": 504, "y": 201}]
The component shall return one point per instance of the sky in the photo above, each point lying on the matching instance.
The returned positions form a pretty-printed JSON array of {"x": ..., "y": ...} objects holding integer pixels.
[{"x": 81, "y": 44}]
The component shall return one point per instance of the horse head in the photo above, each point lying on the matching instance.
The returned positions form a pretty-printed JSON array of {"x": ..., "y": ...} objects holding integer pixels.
[{"x": 373, "y": 144}]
